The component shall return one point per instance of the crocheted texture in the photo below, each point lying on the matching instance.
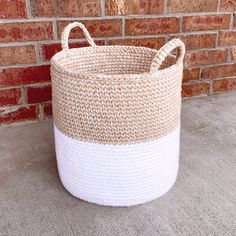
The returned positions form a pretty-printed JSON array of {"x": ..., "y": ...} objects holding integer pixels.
[
  {"x": 117, "y": 115},
  {"x": 116, "y": 94},
  {"x": 117, "y": 175},
  {"x": 66, "y": 32}
]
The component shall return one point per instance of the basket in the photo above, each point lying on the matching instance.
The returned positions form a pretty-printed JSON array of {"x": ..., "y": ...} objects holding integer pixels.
[{"x": 116, "y": 116}]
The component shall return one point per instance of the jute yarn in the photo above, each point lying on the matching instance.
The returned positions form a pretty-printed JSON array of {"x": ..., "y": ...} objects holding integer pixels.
[{"x": 116, "y": 94}]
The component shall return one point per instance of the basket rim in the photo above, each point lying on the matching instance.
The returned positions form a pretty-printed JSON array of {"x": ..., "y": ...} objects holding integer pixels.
[{"x": 72, "y": 73}]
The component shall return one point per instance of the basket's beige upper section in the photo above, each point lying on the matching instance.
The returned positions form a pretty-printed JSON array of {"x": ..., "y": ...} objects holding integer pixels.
[{"x": 107, "y": 94}]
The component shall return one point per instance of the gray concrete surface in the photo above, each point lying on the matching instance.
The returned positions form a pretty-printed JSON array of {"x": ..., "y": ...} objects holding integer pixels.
[{"x": 202, "y": 202}]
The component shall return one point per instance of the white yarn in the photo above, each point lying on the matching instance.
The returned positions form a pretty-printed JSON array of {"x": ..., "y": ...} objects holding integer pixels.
[{"x": 117, "y": 175}]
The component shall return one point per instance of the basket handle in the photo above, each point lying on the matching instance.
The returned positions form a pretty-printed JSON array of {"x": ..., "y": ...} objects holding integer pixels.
[
  {"x": 66, "y": 32},
  {"x": 166, "y": 50}
]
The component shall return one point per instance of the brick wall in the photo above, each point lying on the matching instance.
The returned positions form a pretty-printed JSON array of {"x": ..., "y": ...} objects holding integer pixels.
[{"x": 30, "y": 34}]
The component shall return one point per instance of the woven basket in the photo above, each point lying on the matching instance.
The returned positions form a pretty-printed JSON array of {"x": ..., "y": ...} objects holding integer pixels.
[{"x": 117, "y": 120}]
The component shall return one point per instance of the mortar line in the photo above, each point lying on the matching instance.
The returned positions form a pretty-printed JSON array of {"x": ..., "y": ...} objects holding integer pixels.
[
  {"x": 23, "y": 96},
  {"x": 37, "y": 52},
  {"x": 54, "y": 29},
  {"x": 39, "y": 84},
  {"x": 28, "y": 9},
  {"x": 102, "y": 8},
  {"x": 205, "y": 81},
  {"x": 115, "y": 37},
  {"x": 177, "y": 14},
  {"x": 200, "y": 73},
  {"x": 40, "y": 112},
  {"x": 217, "y": 39},
  {"x": 123, "y": 26},
  {"x": 25, "y": 65},
  {"x": 20, "y": 123},
  {"x": 229, "y": 59},
  {"x": 165, "y": 7},
  {"x": 181, "y": 24},
  {"x": 211, "y": 87},
  {"x": 107, "y": 17},
  {"x": 231, "y": 21},
  {"x": 218, "y": 5},
  {"x": 118, "y": 36}
]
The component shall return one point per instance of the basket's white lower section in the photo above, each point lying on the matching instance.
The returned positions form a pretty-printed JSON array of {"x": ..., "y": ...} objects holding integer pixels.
[{"x": 117, "y": 175}]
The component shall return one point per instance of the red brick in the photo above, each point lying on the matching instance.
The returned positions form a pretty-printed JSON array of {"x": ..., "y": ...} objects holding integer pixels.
[
  {"x": 191, "y": 6},
  {"x": 205, "y": 57},
  {"x": 227, "y": 38},
  {"x": 234, "y": 21},
  {"x": 25, "y": 75},
  {"x": 69, "y": 8},
  {"x": 18, "y": 114},
  {"x": 195, "y": 41},
  {"x": 132, "y": 7},
  {"x": 39, "y": 94},
  {"x": 12, "y": 9},
  {"x": 191, "y": 74},
  {"x": 221, "y": 71},
  {"x": 228, "y": 5},
  {"x": 143, "y": 42},
  {"x": 47, "y": 108},
  {"x": 10, "y": 96},
  {"x": 97, "y": 28},
  {"x": 13, "y": 55},
  {"x": 48, "y": 50},
  {"x": 149, "y": 26},
  {"x": 190, "y": 90},
  {"x": 27, "y": 31},
  {"x": 206, "y": 22},
  {"x": 224, "y": 85}
]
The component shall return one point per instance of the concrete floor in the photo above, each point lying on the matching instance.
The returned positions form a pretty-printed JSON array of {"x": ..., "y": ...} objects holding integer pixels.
[{"x": 202, "y": 202}]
